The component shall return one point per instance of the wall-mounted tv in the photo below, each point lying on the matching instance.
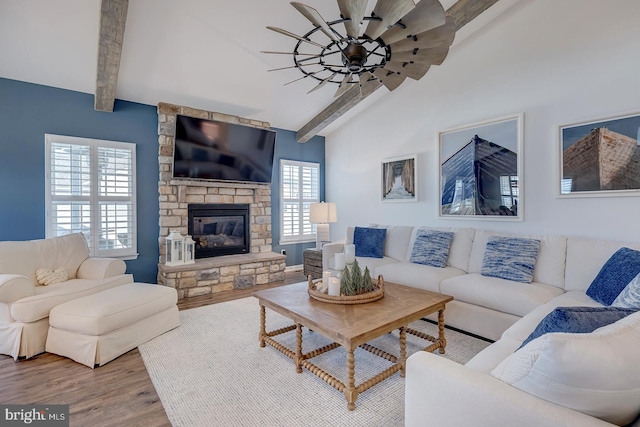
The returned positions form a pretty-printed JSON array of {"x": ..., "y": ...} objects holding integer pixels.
[{"x": 214, "y": 150}]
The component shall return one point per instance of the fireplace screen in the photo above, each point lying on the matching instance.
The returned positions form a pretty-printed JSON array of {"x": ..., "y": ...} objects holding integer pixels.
[{"x": 219, "y": 229}]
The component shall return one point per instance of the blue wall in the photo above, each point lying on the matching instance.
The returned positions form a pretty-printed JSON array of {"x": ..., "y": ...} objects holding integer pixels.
[
  {"x": 288, "y": 148},
  {"x": 28, "y": 111}
]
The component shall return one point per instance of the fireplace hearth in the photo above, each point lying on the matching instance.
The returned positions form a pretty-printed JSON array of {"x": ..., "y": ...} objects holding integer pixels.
[{"x": 219, "y": 229}]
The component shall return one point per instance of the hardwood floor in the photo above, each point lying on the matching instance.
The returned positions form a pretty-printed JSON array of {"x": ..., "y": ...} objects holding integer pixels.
[{"x": 119, "y": 393}]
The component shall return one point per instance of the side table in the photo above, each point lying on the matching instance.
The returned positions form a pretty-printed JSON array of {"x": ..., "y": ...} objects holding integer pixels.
[{"x": 312, "y": 263}]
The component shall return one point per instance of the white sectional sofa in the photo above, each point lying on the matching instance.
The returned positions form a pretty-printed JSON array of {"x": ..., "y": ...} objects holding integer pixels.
[
  {"x": 25, "y": 304},
  {"x": 446, "y": 393}
]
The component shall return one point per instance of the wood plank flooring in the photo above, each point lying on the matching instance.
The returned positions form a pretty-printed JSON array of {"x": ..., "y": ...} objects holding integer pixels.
[{"x": 119, "y": 393}]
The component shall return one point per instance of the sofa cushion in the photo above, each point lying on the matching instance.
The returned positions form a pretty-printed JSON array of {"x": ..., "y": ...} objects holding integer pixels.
[
  {"x": 417, "y": 275},
  {"x": 374, "y": 263},
  {"x": 577, "y": 320},
  {"x": 460, "y": 245},
  {"x": 431, "y": 247},
  {"x": 585, "y": 258},
  {"x": 615, "y": 275},
  {"x": 592, "y": 373},
  {"x": 630, "y": 295},
  {"x": 396, "y": 242},
  {"x": 369, "y": 241},
  {"x": 510, "y": 258},
  {"x": 37, "y": 307},
  {"x": 498, "y": 294},
  {"x": 550, "y": 264}
]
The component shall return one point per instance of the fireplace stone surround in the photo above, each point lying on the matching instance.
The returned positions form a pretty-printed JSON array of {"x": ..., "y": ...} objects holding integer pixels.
[{"x": 219, "y": 273}]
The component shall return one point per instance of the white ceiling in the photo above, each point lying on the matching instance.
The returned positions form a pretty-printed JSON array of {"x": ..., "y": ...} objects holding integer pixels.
[{"x": 200, "y": 53}]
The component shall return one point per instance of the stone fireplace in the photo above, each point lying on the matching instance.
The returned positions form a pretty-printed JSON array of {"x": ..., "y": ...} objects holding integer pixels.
[{"x": 218, "y": 267}]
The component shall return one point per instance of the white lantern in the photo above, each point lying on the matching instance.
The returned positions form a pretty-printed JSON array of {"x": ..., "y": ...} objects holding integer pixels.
[
  {"x": 175, "y": 249},
  {"x": 189, "y": 250}
]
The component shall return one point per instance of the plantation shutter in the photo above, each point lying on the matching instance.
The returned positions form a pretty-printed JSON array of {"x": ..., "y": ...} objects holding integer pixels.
[{"x": 300, "y": 186}]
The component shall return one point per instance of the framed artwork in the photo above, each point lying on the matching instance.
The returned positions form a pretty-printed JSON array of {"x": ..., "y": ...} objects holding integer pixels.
[
  {"x": 481, "y": 173},
  {"x": 399, "y": 179},
  {"x": 600, "y": 158}
]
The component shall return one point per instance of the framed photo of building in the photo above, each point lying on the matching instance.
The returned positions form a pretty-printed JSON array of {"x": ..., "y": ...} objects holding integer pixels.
[
  {"x": 400, "y": 179},
  {"x": 481, "y": 174},
  {"x": 600, "y": 158}
]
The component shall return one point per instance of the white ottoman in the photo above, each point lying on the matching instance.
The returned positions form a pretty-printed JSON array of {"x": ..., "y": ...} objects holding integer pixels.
[{"x": 96, "y": 329}]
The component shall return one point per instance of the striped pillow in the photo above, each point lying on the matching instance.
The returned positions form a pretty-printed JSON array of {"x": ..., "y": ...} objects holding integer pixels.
[
  {"x": 630, "y": 295},
  {"x": 431, "y": 247},
  {"x": 510, "y": 258}
]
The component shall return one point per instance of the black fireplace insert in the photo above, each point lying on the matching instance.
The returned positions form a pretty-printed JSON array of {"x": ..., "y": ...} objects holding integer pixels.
[{"x": 220, "y": 229}]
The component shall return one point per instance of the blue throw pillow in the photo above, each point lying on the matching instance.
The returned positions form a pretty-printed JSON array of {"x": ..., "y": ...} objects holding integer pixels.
[
  {"x": 615, "y": 275},
  {"x": 369, "y": 241},
  {"x": 630, "y": 295},
  {"x": 510, "y": 258},
  {"x": 577, "y": 320},
  {"x": 431, "y": 247}
]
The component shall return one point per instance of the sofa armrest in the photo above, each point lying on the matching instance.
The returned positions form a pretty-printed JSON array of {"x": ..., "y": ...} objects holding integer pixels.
[
  {"x": 14, "y": 286},
  {"x": 101, "y": 268},
  {"x": 447, "y": 393},
  {"x": 329, "y": 252}
]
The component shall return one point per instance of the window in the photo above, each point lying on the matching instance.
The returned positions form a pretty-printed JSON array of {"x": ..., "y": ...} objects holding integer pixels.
[
  {"x": 90, "y": 188},
  {"x": 509, "y": 190},
  {"x": 299, "y": 187}
]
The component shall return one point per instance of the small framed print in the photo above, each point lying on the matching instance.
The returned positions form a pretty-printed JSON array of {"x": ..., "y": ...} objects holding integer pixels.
[
  {"x": 400, "y": 179},
  {"x": 600, "y": 158}
]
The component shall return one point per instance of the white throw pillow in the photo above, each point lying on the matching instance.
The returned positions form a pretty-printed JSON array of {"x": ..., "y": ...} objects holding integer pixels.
[
  {"x": 46, "y": 276},
  {"x": 595, "y": 373}
]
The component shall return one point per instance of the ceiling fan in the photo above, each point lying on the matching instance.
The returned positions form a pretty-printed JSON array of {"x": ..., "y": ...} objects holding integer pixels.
[{"x": 400, "y": 39}]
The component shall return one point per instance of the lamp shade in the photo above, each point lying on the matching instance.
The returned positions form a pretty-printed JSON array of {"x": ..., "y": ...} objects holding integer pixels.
[{"x": 323, "y": 213}]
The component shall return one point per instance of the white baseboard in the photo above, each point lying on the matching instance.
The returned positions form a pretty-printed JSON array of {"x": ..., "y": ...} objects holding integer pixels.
[{"x": 298, "y": 267}]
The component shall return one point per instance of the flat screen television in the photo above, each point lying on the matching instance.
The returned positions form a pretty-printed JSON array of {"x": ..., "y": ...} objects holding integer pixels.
[{"x": 214, "y": 150}]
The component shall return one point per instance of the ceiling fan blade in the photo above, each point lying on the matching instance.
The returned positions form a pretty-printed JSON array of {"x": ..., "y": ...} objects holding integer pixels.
[
  {"x": 427, "y": 14},
  {"x": 322, "y": 83},
  {"x": 316, "y": 19},
  {"x": 293, "y": 66},
  {"x": 434, "y": 56},
  {"x": 415, "y": 71},
  {"x": 303, "y": 77},
  {"x": 388, "y": 78},
  {"x": 353, "y": 10},
  {"x": 391, "y": 11},
  {"x": 288, "y": 53},
  {"x": 290, "y": 34},
  {"x": 368, "y": 84},
  {"x": 438, "y": 37},
  {"x": 345, "y": 84}
]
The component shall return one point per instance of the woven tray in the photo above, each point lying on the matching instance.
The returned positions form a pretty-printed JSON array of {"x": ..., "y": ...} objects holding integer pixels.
[{"x": 347, "y": 299}]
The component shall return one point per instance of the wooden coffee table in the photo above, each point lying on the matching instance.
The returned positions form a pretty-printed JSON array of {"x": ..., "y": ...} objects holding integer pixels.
[{"x": 351, "y": 326}]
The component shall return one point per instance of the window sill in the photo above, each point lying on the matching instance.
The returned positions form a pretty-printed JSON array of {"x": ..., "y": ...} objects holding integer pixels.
[{"x": 295, "y": 242}]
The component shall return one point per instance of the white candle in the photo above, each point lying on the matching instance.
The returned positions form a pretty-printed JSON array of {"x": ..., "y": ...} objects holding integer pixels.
[
  {"x": 326, "y": 276},
  {"x": 334, "y": 286},
  {"x": 339, "y": 261},
  {"x": 350, "y": 253}
]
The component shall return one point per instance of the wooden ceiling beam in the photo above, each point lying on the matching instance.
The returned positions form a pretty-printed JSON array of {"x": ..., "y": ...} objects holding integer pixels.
[
  {"x": 462, "y": 12},
  {"x": 113, "y": 16}
]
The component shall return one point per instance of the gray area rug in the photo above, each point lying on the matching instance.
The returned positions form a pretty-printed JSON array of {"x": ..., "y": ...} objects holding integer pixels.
[{"x": 211, "y": 371}]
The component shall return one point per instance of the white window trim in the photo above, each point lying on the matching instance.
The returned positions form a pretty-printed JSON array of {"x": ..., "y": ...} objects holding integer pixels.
[
  {"x": 290, "y": 240},
  {"x": 93, "y": 144}
]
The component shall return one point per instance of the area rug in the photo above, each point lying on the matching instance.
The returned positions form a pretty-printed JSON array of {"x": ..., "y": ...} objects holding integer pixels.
[{"x": 212, "y": 371}]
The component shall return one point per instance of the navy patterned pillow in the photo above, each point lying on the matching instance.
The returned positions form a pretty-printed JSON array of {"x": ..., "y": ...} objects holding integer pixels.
[
  {"x": 577, "y": 320},
  {"x": 369, "y": 241},
  {"x": 510, "y": 258},
  {"x": 431, "y": 247},
  {"x": 615, "y": 275}
]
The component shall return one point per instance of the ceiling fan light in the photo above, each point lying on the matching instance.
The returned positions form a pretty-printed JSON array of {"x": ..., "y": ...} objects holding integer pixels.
[{"x": 355, "y": 56}]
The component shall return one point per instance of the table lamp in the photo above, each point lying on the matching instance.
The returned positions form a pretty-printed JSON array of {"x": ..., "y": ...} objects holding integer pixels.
[{"x": 322, "y": 214}]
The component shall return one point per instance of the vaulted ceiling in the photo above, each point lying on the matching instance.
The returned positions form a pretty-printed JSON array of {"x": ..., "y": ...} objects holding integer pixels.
[{"x": 204, "y": 54}]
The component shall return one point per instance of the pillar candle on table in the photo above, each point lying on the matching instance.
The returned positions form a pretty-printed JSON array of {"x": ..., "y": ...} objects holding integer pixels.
[
  {"x": 334, "y": 286},
  {"x": 326, "y": 277},
  {"x": 339, "y": 261},
  {"x": 350, "y": 253}
]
